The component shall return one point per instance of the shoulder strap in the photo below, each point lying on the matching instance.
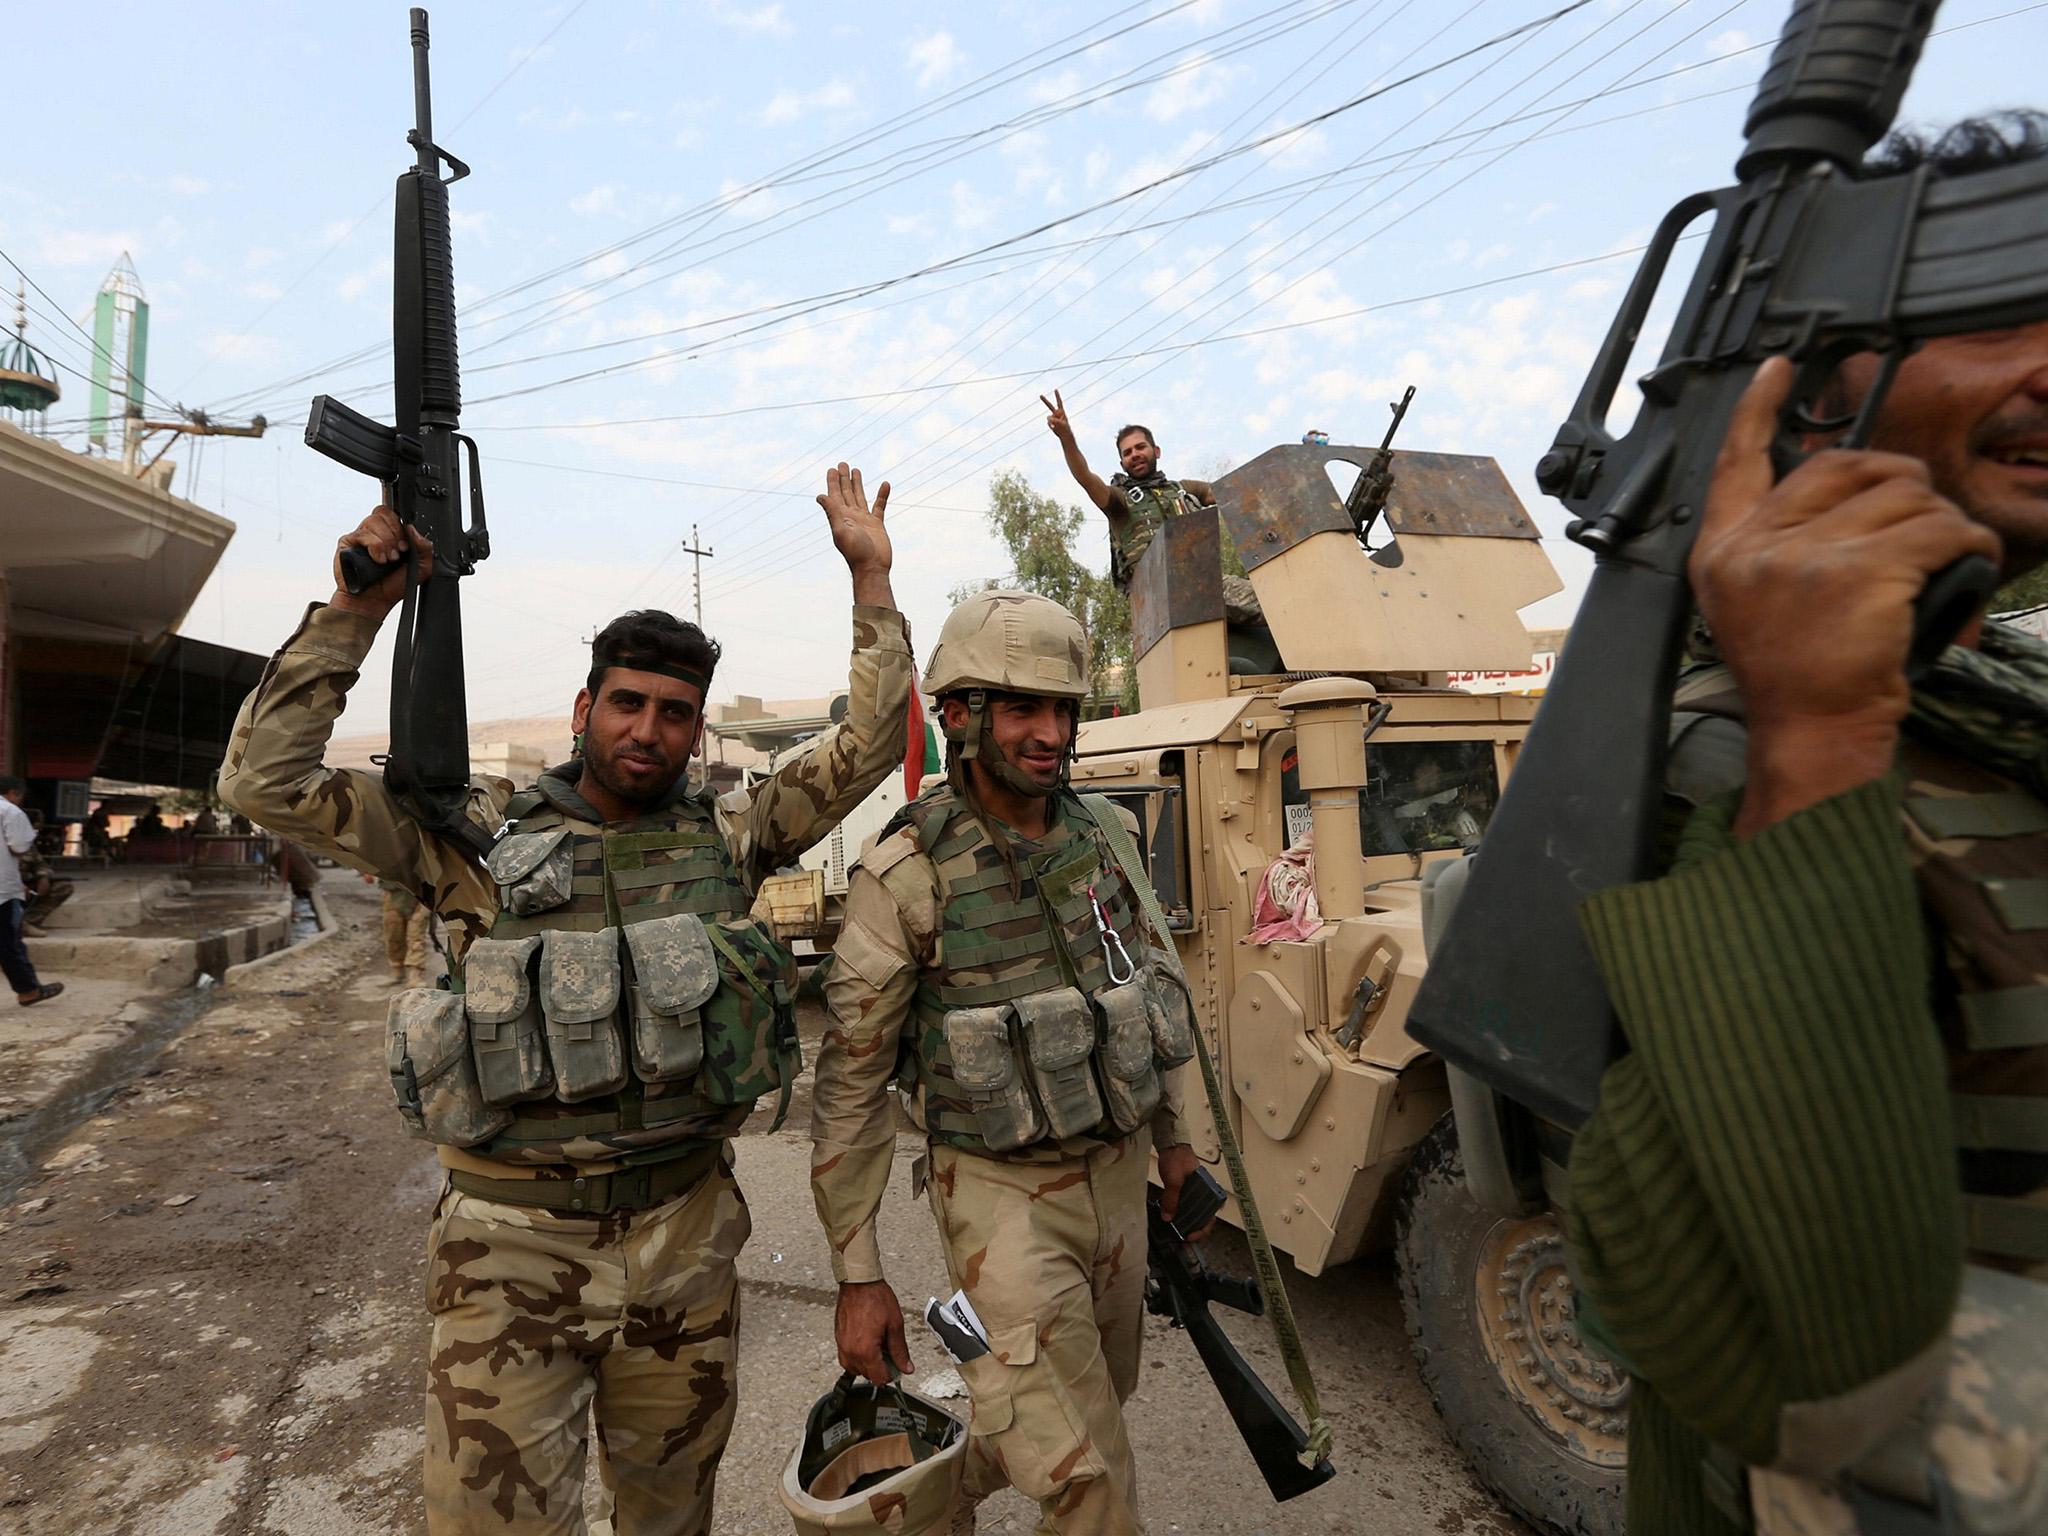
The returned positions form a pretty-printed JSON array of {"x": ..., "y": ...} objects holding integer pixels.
[
  {"x": 524, "y": 803},
  {"x": 1271, "y": 1288}
]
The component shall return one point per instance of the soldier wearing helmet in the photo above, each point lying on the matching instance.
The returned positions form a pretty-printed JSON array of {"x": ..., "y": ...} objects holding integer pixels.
[{"x": 992, "y": 967}]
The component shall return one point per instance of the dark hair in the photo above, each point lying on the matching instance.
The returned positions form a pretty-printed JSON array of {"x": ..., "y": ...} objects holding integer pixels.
[
  {"x": 1975, "y": 144},
  {"x": 648, "y": 639},
  {"x": 9, "y": 784},
  {"x": 1134, "y": 427}
]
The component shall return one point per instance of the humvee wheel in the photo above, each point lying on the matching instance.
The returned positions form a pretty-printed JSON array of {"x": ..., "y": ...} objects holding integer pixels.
[{"x": 1542, "y": 1419}]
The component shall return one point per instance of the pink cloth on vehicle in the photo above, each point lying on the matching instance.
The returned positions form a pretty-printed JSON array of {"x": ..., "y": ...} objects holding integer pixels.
[{"x": 1286, "y": 907}]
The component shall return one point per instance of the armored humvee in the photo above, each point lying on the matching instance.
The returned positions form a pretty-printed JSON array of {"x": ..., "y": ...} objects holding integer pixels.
[{"x": 1320, "y": 718}]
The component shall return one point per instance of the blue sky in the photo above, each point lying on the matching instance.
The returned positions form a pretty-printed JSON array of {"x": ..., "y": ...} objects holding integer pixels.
[{"x": 671, "y": 191}]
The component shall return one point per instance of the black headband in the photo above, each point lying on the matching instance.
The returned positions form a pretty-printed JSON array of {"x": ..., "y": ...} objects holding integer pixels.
[{"x": 662, "y": 669}]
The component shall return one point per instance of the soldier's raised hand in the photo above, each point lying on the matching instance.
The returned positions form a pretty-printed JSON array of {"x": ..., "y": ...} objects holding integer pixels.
[
  {"x": 857, "y": 529},
  {"x": 383, "y": 538},
  {"x": 1057, "y": 421}
]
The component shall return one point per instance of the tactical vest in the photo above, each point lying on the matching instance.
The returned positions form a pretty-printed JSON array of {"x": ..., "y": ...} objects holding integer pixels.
[
  {"x": 1979, "y": 846},
  {"x": 1147, "y": 506},
  {"x": 1036, "y": 1026},
  {"x": 622, "y": 1005}
]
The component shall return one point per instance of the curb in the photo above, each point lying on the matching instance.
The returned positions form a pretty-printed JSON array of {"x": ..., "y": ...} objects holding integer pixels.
[{"x": 247, "y": 969}]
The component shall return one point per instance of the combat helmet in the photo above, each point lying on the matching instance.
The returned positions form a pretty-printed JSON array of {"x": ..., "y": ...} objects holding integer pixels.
[
  {"x": 1004, "y": 641},
  {"x": 874, "y": 1460}
]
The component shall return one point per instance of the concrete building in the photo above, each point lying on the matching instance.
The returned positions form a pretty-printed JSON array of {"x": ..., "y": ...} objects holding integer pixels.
[{"x": 97, "y": 570}]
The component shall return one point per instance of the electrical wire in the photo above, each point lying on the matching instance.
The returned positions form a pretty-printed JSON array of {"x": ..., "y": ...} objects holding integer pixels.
[
  {"x": 945, "y": 101},
  {"x": 349, "y": 233},
  {"x": 771, "y": 562}
]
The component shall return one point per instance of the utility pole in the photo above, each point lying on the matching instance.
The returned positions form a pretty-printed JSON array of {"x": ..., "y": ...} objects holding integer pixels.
[
  {"x": 697, "y": 559},
  {"x": 190, "y": 424}
]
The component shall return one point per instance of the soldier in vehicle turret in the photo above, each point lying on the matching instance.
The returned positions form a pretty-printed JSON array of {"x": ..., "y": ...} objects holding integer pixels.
[
  {"x": 1137, "y": 499},
  {"x": 614, "y": 1015}
]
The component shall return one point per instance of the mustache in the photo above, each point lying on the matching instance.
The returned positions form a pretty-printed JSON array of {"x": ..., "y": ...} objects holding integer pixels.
[{"x": 2029, "y": 430}]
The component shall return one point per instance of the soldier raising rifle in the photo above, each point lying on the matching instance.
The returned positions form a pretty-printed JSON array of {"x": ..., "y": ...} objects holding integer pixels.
[{"x": 616, "y": 1014}]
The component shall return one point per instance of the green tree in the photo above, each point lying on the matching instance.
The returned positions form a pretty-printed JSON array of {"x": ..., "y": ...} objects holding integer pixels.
[{"x": 1039, "y": 533}]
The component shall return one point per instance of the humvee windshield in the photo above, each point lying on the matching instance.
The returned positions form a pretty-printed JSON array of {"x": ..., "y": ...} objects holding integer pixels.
[{"x": 1419, "y": 796}]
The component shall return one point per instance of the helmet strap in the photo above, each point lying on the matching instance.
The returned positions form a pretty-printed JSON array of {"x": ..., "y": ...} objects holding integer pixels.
[{"x": 977, "y": 743}]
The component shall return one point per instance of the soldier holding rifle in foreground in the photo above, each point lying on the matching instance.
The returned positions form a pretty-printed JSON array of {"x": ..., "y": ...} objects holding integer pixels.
[
  {"x": 614, "y": 1010},
  {"x": 623, "y": 1012},
  {"x": 1839, "y": 984}
]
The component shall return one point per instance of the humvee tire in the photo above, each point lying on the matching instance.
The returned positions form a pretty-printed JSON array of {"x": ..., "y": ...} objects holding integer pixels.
[{"x": 1540, "y": 1418}]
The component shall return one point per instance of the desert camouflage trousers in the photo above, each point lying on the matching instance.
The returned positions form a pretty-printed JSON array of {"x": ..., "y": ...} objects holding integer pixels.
[
  {"x": 405, "y": 934},
  {"x": 538, "y": 1318},
  {"x": 1053, "y": 1257}
]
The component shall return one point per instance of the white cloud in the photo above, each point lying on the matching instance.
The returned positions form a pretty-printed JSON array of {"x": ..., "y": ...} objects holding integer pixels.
[
  {"x": 555, "y": 119},
  {"x": 187, "y": 186},
  {"x": 597, "y": 200},
  {"x": 936, "y": 59},
  {"x": 767, "y": 20},
  {"x": 1196, "y": 82},
  {"x": 81, "y": 248},
  {"x": 263, "y": 292},
  {"x": 261, "y": 256},
  {"x": 788, "y": 106}
]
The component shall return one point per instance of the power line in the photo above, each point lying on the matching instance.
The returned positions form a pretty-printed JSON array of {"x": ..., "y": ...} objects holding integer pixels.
[
  {"x": 1192, "y": 169},
  {"x": 752, "y": 566},
  {"x": 348, "y": 234},
  {"x": 945, "y": 101}
]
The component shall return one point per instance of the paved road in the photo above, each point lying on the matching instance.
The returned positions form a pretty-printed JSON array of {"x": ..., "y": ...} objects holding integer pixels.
[{"x": 210, "y": 1316}]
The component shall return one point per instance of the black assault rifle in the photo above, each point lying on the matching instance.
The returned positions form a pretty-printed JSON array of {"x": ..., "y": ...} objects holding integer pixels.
[
  {"x": 417, "y": 461},
  {"x": 1179, "y": 1288},
  {"x": 1806, "y": 259}
]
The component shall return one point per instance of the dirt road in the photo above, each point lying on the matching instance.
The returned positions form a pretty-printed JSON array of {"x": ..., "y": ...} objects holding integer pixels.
[{"x": 211, "y": 1321}]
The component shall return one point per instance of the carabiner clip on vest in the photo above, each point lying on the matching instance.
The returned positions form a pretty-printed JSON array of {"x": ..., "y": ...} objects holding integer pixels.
[{"x": 1113, "y": 951}]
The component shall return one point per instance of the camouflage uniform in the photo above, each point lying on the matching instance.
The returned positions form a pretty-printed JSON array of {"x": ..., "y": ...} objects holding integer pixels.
[
  {"x": 1046, "y": 1236},
  {"x": 406, "y": 936},
  {"x": 1147, "y": 503},
  {"x": 541, "y": 1311}
]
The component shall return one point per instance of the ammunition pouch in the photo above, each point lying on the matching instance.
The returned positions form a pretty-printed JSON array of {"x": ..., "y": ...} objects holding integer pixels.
[
  {"x": 505, "y": 1020},
  {"x": 1125, "y": 1053},
  {"x": 1173, "y": 1023},
  {"x": 433, "y": 1076},
  {"x": 1973, "y": 1458},
  {"x": 986, "y": 1069},
  {"x": 750, "y": 1039},
  {"x": 675, "y": 969},
  {"x": 1058, "y": 1030},
  {"x": 533, "y": 869},
  {"x": 580, "y": 986}
]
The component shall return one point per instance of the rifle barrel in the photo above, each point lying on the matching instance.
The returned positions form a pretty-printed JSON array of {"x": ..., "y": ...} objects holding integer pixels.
[{"x": 423, "y": 94}]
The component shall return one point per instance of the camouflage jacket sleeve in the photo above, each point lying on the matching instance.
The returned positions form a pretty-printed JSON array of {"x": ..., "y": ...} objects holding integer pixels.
[
  {"x": 887, "y": 938},
  {"x": 770, "y": 824},
  {"x": 273, "y": 774}
]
